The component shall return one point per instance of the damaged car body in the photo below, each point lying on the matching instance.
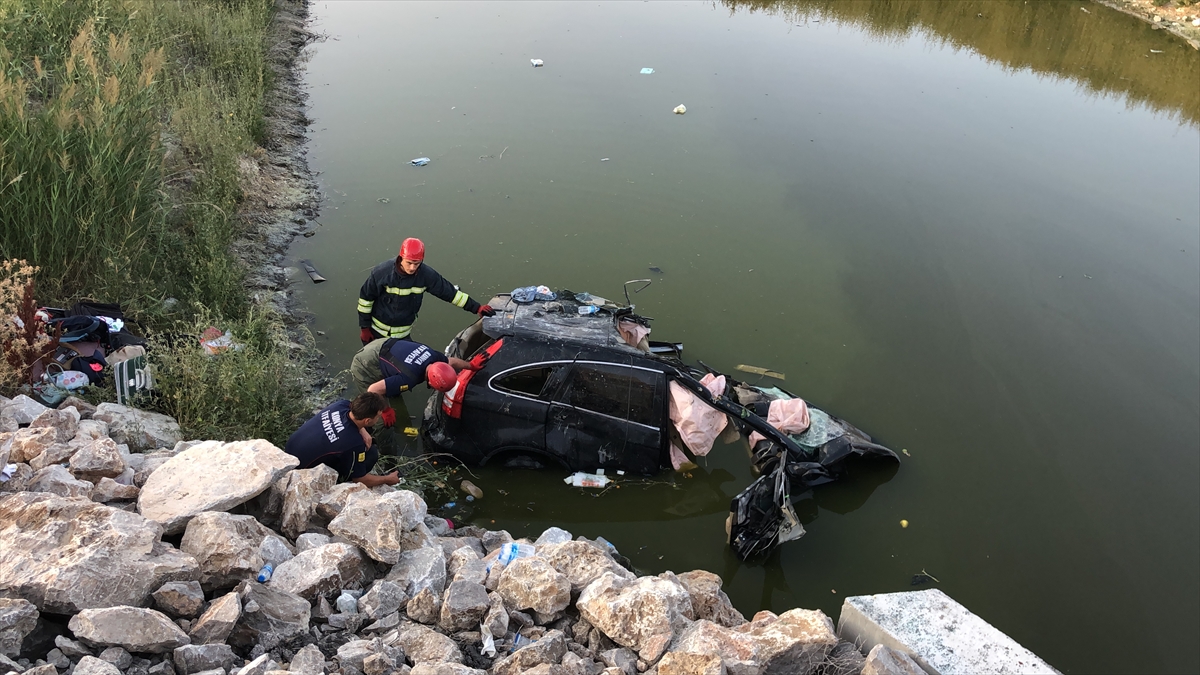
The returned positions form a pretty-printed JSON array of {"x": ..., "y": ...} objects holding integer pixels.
[{"x": 554, "y": 386}]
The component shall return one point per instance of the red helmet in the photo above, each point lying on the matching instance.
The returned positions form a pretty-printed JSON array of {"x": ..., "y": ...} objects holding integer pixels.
[
  {"x": 412, "y": 249},
  {"x": 441, "y": 376}
]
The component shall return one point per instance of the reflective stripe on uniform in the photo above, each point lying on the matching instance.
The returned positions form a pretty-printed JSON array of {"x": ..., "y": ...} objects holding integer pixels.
[
  {"x": 365, "y": 306},
  {"x": 404, "y": 291},
  {"x": 390, "y": 331},
  {"x": 460, "y": 299}
]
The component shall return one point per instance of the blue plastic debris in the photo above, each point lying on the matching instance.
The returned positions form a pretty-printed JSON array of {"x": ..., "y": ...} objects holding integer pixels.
[
  {"x": 420, "y": 161},
  {"x": 647, "y": 71},
  {"x": 531, "y": 293}
]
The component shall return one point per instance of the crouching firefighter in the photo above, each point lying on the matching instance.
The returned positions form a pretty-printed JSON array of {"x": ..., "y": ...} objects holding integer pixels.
[
  {"x": 337, "y": 437},
  {"x": 390, "y": 298},
  {"x": 391, "y": 366}
]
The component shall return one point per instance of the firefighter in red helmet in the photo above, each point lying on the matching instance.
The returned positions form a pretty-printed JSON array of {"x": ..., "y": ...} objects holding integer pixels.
[{"x": 390, "y": 298}]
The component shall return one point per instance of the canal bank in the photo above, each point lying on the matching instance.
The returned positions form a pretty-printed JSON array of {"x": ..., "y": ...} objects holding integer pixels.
[{"x": 253, "y": 566}]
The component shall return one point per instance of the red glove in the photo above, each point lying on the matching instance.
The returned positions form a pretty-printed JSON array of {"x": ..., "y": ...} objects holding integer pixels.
[
  {"x": 486, "y": 310},
  {"x": 366, "y": 335},
  {"x": 389, "y": 417}
]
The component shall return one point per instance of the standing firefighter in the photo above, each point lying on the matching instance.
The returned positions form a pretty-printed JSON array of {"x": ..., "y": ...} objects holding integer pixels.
[{"x": 391, "y": 297}]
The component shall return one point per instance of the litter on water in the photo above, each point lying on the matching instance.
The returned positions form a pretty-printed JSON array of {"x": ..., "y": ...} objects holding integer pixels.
[
  {"x": 603, "y": 159},
  {"x": 680, "y": 109},
  {"x": 537, "y": 63},
  {"x": 591, "y": 480},
  {"x": 656, "y": 269},
  {"x": 312, "y": 272},
  {"x": 420, "y": 161},
  {"x": 761, "y": 371},
  {"x": 647, "y": 71}
]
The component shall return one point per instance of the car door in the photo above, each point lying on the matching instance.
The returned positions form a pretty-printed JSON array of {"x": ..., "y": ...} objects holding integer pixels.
[
  {"x": 608, "y": 415},
  {"x": 517, "y": 406}
]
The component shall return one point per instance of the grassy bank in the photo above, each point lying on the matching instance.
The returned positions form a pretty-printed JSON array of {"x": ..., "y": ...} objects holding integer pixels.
[{"x": 122, "y": 125}]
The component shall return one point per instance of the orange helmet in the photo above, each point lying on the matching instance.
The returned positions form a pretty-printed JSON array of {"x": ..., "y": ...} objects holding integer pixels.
[
  {"x": 412, "y": 249},
  {"x": 441, "y": 376}
]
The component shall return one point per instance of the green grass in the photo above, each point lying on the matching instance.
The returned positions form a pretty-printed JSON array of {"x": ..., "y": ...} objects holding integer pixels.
[
  {"x": 122, "y": 123},
  {"x": 257, "y": 390}
]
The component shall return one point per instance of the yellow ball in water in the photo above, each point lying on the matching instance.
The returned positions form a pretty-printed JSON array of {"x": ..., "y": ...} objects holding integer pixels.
[{"x": 904, "y": 523}]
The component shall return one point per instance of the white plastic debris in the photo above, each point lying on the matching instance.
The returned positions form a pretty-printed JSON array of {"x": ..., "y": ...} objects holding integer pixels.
[
  {"x": 537, "y": 63},
  {"x": 680, "y": 109},
  {"x": 591, "y": 480}
]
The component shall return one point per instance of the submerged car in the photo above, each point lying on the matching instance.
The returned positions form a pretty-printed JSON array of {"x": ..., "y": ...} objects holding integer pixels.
[{"x": 574, "y": 383}]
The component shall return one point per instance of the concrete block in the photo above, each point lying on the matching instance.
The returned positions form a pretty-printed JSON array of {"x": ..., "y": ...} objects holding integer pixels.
[{"x": 942, "y": 636}]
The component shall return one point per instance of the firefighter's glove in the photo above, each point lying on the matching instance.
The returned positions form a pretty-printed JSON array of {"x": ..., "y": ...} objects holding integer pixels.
[
  {"x": 486, "y": 310},
  {"x": 366, "y": 335},
  {"x": 389, "y": 417}
]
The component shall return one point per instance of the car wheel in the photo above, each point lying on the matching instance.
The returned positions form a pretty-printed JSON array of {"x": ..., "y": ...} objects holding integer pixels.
[{"x": 521, "y": 460}]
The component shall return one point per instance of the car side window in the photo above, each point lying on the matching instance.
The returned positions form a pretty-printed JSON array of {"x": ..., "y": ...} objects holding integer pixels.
[
  {"x": 621, "y": 392},
  {"x": 528, "y": 382}
]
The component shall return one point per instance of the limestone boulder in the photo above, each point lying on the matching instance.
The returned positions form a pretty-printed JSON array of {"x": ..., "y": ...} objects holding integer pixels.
[
  {"x": 424, "y": 645},
  {"x": 582, "y": 562},
  {"x": 336, "y": 498},
  {"x": 496, "y": 619},
  {"x": 709, "y": 601},
  {"x": 796, "y": 641},
  {"x": 69, "y": 554},
  {"x": 308, "y": 661},
  {"x": 321, "y": 571},
  {"x": 302, "y": 491},
  {"x": 643, "y": 614},
  {"x": 225, "y": 546},
  {"x": 424, "y": 607},
  {"x": 532, "y": 583},
  {"x": 357, "y": 654},
  {"x": 19, "y": 481},
  {"x": 374, "y": 524},
  {"x": 217, "y": 622},
  {"x": 29, "y": 443},
  {"x": 89, "y": 430},
  {"x": 269, "y": 617},
  {"x": 383, "y": 598},
  {"x": 887, "y": 661},
  {"x": 90, "y": 665},
  {"x": 549, "y": 649},
  {"x": 179, "y": 599},
  {"x": 135, "y": 629},
  {"x": 149, "y": 463},
  {"x": 211, "y": 476},
  {"x": 139, "y": 429},
  {"x": 24, "y": 409},
  {"x": 191, "y": 659},
  {"x": 56, "y": 453},
  {"x": 96, "y": 460},
  {"x": 65, "y": 423},
  {"x": 109, "y": 490},
  {"x": 456, "y": 558},
  {"x": 418, "y": 569},
  {"x": 445, "y": 669},
  {"x": 687, "y": 663},
  {"x": 18, "y": 618},
  {"x": 81, "y": 406},
  {"x": 311, "y": 540},
  {"x": 411, "y": 506},
  {"x": 55, "y": 479},
  {"x": 463, "y": 606},
  {"x": 552, "y": 535}
]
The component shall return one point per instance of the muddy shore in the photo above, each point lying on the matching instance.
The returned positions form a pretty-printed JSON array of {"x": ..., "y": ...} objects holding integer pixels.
[
  {"x": 1171, "y": 17},
  {"x": 281, "y": 199}
]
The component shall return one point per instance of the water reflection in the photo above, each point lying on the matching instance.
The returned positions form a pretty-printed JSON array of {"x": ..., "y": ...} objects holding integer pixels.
[{"x": 1102, "y": 50}]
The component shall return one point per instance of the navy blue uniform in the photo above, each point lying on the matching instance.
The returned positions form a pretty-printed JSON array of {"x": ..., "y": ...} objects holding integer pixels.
[
  {"x": 402, "y": 364},
  {"x": 332, "y": 439}
]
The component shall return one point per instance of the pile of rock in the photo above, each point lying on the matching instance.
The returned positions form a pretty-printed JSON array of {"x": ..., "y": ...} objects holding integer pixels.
[{"x": 122, "y": 556}]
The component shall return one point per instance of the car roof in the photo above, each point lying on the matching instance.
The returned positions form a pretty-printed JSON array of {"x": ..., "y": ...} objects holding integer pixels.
[{"x": 556, "y": 321}]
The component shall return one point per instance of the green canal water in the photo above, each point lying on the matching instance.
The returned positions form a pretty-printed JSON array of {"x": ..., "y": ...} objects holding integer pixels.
[{"x": 970, "y": 228}]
